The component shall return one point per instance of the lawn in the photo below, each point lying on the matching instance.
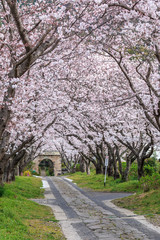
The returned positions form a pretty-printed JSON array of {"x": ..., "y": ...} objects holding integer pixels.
[
  {"x": 21, "y": 218},
  {"x": 142, "y": 203},
  {"x": 96, "y": 183}
]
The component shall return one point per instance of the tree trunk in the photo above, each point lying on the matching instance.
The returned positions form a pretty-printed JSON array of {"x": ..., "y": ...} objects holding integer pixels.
[
  {"x": 118, "y": 159},
  {"x": 88, "y": 169},
  {"x": 87, "y": 165},
  {"x": 140, "y": 168},
  {"x": 2, "y": 173},
  {"x": 73, "y": 169},
  {"x": 145, "y": 154},
  {"x": 116, "y": 173},
  {"x": 6, "y": 172},
  {"x": 1, "y": 178},
  {"x": 125, "y": 174},
  {"x": 17, "y": 170},
  {"x": 10, "y": 175},
  {"x": 110, "y": 170},
  {"x": 99, "y": 168},
  {"x": 82, "y": 166}
]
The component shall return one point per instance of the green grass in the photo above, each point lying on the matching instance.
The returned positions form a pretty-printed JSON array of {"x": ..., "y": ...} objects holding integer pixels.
[
  {"x": 28, "y": 187},
  {"x": 21, "y": 218},
  {"x": 96, "y": 183},
  {"x": 142, "y": 203}
]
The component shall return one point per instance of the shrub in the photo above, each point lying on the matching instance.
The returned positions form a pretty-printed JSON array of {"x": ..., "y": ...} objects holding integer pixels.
[
  {"x": 156, "y": 181},
  {"x": 29, "y": 166},
  {"x": 92, "y": 167},
  {"x": 27, "y": 173},
  {"x": 145, "y": 183},
  {"x": 33, "y": 172},
  {"x": 63, "y": 165},
  {"x": 49, "y": 172},
  {"x": 158, "y": 167},
  {"x": 149, "y": 170},
  {"x": 133, "y": 172},
  {"x": 150, "y": 182},
  {"x": 77, "y": 167},
  {"x": 123, "y": 166},
  {"x": 150, "y": 161},
  {"x": 150, "y": 166}
]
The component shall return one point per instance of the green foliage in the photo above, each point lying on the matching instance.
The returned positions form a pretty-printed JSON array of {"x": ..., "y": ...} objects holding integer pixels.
[
  {"x": 158, "y": 167},
  {"x": 73, "y": 166},
  {"x": 92, "y": 167},
  {"x": 49, "y": 171},
  {"x": 148, "y": 170},
  {"x": 140, "y": 52},
  {"x": 63, "y": 165},
  {"x": 33, "y": 172},
  {"x": 150, "y": 182},
  {"x": 133, "y": 173},
  {"x": 150, "y": 161},
  {"x": 29, "y": 166},
  {"x": 150, "y": 166},
  {"x": 77, "y": 167},
  {"x": 123, "y": 166}
]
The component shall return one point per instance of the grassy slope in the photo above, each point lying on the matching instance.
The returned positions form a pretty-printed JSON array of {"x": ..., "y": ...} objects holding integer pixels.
[
  {"x": 144, "y": 203},
  {"x": 23, "y": 219},
  {"x": 96, "y": 182}
]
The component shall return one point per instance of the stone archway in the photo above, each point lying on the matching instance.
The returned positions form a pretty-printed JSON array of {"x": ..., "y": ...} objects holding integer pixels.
[
  {"x": 53, "y": 156},
  {"x": 46, "y": 166}
]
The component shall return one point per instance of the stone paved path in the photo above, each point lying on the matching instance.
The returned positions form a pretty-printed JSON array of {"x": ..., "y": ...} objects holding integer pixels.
[{"x": 84, "y": 219}]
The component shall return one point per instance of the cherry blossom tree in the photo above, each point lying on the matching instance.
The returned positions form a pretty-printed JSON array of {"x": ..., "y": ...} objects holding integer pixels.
[
  {"x": 108, "y": 110},
  {"x": 83, "y": 64},
  {"x": 29, "y": 34}
]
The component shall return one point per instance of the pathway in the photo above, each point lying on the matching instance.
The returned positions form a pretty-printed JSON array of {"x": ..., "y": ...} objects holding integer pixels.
[{"x": 90, "y": 216}]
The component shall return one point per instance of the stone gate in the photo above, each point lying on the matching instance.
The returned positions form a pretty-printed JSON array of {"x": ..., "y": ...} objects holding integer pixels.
[{"x": 53, "y": 156}]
